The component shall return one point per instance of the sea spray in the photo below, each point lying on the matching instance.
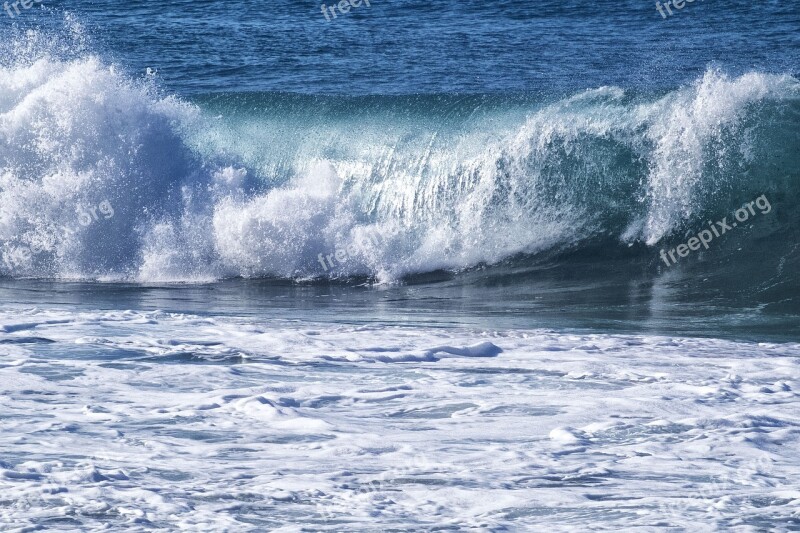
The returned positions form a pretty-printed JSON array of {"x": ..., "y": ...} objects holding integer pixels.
[{"x": 213, "y": 189}]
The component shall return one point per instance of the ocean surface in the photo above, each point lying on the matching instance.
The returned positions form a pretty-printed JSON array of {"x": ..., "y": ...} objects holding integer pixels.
[{"x": 421, "y": 266}]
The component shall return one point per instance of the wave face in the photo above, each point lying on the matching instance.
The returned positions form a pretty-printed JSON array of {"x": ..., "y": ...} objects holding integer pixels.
[{"x": 103, "y": 177}]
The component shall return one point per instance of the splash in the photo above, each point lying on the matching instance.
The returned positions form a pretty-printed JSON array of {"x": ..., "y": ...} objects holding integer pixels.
[{"x": 262, "y": 185}]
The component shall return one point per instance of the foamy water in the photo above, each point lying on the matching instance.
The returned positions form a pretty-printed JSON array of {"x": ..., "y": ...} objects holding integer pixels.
[{"x": 168, "y": 421}]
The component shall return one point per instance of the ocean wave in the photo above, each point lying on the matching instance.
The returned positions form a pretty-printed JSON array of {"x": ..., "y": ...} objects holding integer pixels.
[{"x": 302, "y": 187}]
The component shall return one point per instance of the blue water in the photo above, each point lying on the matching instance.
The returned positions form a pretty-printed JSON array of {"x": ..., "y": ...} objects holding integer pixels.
[{"x": 438, "y": 46}]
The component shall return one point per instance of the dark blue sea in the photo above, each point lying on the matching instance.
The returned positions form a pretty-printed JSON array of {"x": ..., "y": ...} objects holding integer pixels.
[{"x": 399, "y": 266}]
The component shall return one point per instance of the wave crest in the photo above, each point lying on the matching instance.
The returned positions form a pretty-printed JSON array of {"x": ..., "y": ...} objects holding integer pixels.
[{"x": 263, "y": 185}]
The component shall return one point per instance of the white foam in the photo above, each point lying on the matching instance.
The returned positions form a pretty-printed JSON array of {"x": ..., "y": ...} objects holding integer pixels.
[{"x": 178, "y": 421}]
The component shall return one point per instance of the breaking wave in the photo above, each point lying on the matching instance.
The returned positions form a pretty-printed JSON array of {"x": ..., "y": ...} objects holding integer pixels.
[{"x": 270, "y": 185}]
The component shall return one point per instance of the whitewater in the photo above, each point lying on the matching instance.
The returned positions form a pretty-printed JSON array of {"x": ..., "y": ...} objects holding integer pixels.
[{"x": 193, "y": 422}]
